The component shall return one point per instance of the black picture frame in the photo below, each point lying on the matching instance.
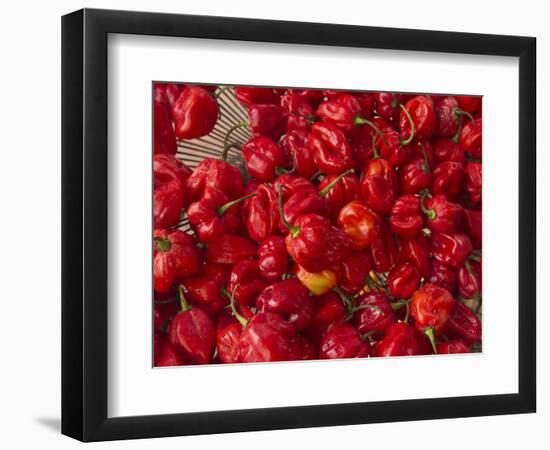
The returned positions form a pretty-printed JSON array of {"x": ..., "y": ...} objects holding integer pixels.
[{"x": 84, "y": 224}]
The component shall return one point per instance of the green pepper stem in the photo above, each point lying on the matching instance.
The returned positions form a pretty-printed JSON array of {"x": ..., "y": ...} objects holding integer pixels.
[
  {"x": 223, "y": 209},
  {"x": 310, "y": 118},
  {"x": 281, "y": 170},
  {"x": 183, "y": 301},
  {"x": 411, "y": 122},
  {"x": 345, "y": 299},
  {"x": 294, "y": 231},
  {"x": 360, "y": 121},
  {"x": 234, "y": 311},
  {"x": 226, "y": 148},
  {"x": 426, "y": 164},
  {"x": 329, "y": 186},
  {"x": 460, "y": 112},
  {"x": 430, "y": 334},
  {"x": 429, "y": 212},
  {"x": 162, "y": 244},
  {"x": 232, "y": 129}
]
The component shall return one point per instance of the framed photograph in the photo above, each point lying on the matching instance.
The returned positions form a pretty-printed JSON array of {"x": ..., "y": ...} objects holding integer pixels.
[{"x": 273, "y": 224}]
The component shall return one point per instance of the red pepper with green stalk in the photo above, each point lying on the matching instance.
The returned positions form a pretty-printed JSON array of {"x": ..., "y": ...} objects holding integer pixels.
[
  {"x": 339, "y": 194},
  {"x": 206, "y": 292},
  {"x": 344, "y": 111},
  {"x": 289, "y": 299},
  {"x": 373, "y": 313},
  {"x": 249, "y": 96},
  {"x": 164, "y": 139},
  {"x": 470, "y": 138},
  {"x": 214, "y": 214},
  {"x": 469, "y": 103},
  {"x": 386, "y": 105},
  {"x": 229, "y": 249},
  {"x": 290, "y": 184},
  {"x": 451, "y": 249},
  {"x": 342, "y": 340},
  {"x": 360, "y": 224},
  {"x": 418, "y": 114},
  {"x": 362, "y": 140},
  {"x": 195, "y": 113},
  {"x": 273, "y": 260},
  {"x": 446, "y": 149},
  {"x": 379, "y": 185},
  {"x": 354, "y": 270},
  {"x": 299, "y": 110},
  {"x": 442, "y": 216},
  {"x": 246, "y": 282},
  {"x": 217, "y": 174},
  {"x": 328, "y": 309},
  {"x": 416, "y": 250},
  {"x": 430, "y": 308},
  {"x": 330, "y": 148},
  {"x": 416, "y": 175},
  {"x": 192, "y": 332},
  {"x": 228, "y": 334},
  {"x": 406, "y": 219},
  {"x": 294, "y": 143},
  {"x": 264, "y": 158},
  {"x": 262, "y": 218},
  {"x": 174, "y": 256},
  {"x": 449, "y": 116},
  {"x": 400, "y": 339}
]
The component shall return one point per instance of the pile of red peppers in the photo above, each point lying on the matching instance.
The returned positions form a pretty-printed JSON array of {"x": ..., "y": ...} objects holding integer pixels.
[{"x": 354, "y": 230}]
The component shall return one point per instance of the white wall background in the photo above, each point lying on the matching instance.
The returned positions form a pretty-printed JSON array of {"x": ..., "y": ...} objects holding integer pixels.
[{"x": 30, "y": 197}]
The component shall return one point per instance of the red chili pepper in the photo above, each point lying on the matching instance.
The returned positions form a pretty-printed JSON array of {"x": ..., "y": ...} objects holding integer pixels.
[
  {"x": 266, "y": 120},
  {"x": 447, "y": 179},
  {"x": 362, "y": 140},
  {"x": 192, "y": 333},
  {"x": 442, "y": 215},
  {"x": 430, "y": 308},
  {"x": 422, "y": 112},
  {"x": 379, "y": 185},
  {"x": 360, "y": 224},
  {"x": 470, "y": 138},
  {"x": 472, "y": 225},
  {"x": 451, "y": 249},
  {"x": 416, "y": 175},
  {"x": 330, "y": 148},
  {"x": 214, "y": 215},
  {"x": 195, "y": 113},
  {"x": 300, "y": 113},
  {"x": 354, "y": 269},
  {"x": 318, "y": 283},
  {"x": 246, "y": 282},
  {"x": 400, "y": 339},
  {"x": 341, "y": 340},
  {"x": 451, "y": 347},
  {"x": 262, "y": 219},
  {"x": 263, "y": 158},
  {"x": 301, "y": 349},
  {"x": 164, "y": 139},
  {"x": 167, "y": 94},
  {"x": 169, "y": 164},
  {"x": 328, "y": 309},
  {"x": 250, "y": 188},
  {"x": 406, "y": 219},
  {"x": 463, "y": 324},
  {"x": 344, "y": 111},
  {"x": 175, "y": 256},
  {"x": 228, "y": 333},
  {"x": 373, "y": 313},
  {"x": 273, "y": 258},
  {"x": 416, "y": 250},
  {"x": 166, "y": 355},
  {"x": 447, "y": 150},
  {"x": 387, "y": 105},
  {"x": 206, "y": 293},
  {"x": 449, "y": 117},
  {"x": 472, "y": 181},
  {"x": 168, "y": 190},
  {"x": 229, "y": 249},
  {"x": 469, "y": 103},
  {"x": 443, "y": 276},
  {"x": 344, "y": 191},
  {"x": 249, "y": 96},
  {"x": 294, "y": 143},
  {"x": 384, "y": 249},
  {"x": 403, "y": 280},
  {"x": 290, "y": 299},
  {"x": 163, "y": 312},
  {"x": 469, "y": 279},
  {"x": 217, "y": 174},
  {"x": 267, "y": 337}
]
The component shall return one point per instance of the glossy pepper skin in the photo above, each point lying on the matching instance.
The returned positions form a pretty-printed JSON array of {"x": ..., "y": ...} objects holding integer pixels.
[
  {"x": 469, "y": 279},
  {"x": 266, "y": 120},
  {"x": 307, "y": 201},
  {"x": 451, "y": 249},
  {"x": 217, "y": 174},
  {"x": 373, "y": 313},
  {"x": 354, "y": 269},
  {"x": 289, "y": 299},
  {"x": 164, "y": 139},
  {"x": 174, "y": 256},
  {"x": 328, "y": 309},
  {"x": 206, "y": 292},
  {"x": 228, "y": 334},
  {"x": 379, "y": 185},
  {"x": 452, "y": 347},
  {"x": 463, "y": 324},
  {"x": 473, "y": 226},
  {"x": 168, "y": 192},
  {"x": 193, "y": 333},
  {"x": 290, "y": 184},
  {"x": 166, "y": 355},
  {"x": 470, "y": 138},
  {"x": 422, "y": 111},
  {"x": 448, "y": 117},
  {"x": 341, "y": 111},
  {"x": 272, "y": 258},
  {"x": 405, "y": 218},
  {"x": 315, "y": 244},
  {"x": 263, "y": 157},
  {"x": 387, "y": 105},
  {"x": 195, "y": 113},
  {"x": 249, "y": 96},
  {"x": 400, "y": 339},
  {"x": 318, "y": 283},
  {"x": 416, "y": 250},
  {"x": 330, "y": 148},
  {"x": 415, "y": 176},
  {"x": 360, "y": 224},
  {"x": 167, "y": 94},
  {"x": 294, "y": 143},
  {"x": 213, "y": 215},
  {"x": 341, "y": 340},
  {"x": 384, "y": 250},
  {"x": 443, "y": 276},
  {"x": 267, "y": 337},
  {"x": 246, "y": 282},
  {"x": 442, "y": 215},
  {"x": 447, "y": 179},
  {"x": 343, "y": 192},
  {"x": 403, "y": 280},
  {"x": 262, "y": 219},
  {"x": 229, "y": 249},
  {"x": 473, "y": 181},
  {"x": 299, "y": 110},
  {"x": 447, "y": 150}
]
